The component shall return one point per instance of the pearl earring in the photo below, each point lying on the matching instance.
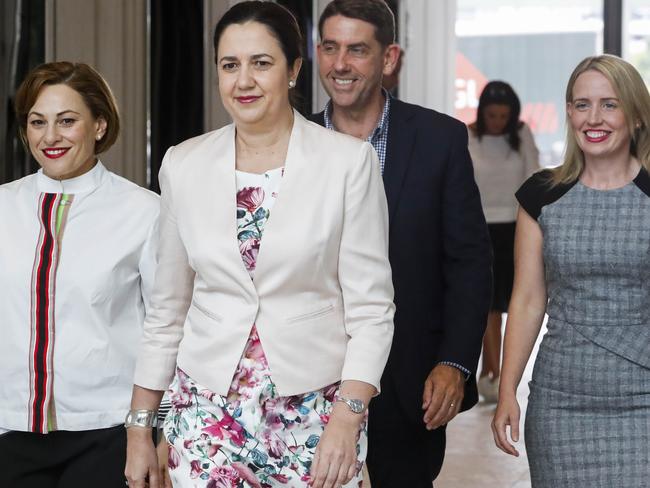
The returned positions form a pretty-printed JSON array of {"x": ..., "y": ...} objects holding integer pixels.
[{"x": 292, "y": 83}]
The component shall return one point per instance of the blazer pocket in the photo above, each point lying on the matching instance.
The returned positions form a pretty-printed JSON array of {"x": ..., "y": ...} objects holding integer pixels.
[
  {"x": 311, "y": 315},
  {"x": 205, "y": 311}
]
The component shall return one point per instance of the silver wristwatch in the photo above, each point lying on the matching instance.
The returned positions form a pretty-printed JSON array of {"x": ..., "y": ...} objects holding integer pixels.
[
  {"x": 141, "y": 418},
  {"x": 357, "y": 406}
]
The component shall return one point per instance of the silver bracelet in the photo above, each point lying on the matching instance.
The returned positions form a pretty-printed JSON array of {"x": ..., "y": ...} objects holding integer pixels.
[{"x": 140, "y": 418}]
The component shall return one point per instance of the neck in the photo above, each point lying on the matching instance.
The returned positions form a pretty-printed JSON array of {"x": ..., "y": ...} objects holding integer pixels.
[
  {"x": 359, "y": 121},
  {"x": 260, "y": 137},
  {"x": 608, "y": 173}
]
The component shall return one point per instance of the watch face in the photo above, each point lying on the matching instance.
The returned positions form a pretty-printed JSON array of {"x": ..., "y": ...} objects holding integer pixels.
[{"x": 356, "y": 406}]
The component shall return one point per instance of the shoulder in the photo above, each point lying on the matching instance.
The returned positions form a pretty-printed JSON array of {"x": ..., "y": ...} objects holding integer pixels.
[
  {"x": 524, "y": 132},
  {"x": 199, "y": 144},
  {"x": 642, "y": 181},
  {"x": 12, "y": 189},
  {"x": 137, "y": 198},
  {"x": 426, "y": 117},
  {"x": 539, "y": 191},
  {"x": 317, "y": 141}
]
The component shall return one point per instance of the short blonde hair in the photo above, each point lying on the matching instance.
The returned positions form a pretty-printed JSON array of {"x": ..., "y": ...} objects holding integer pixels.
[
  {"x": 83, "y": 79},
  {"x": 635, "y": 103}
]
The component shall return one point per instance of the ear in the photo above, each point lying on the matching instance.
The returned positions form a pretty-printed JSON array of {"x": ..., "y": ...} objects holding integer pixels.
[
  {"x": 100, "y": 128},
  {"x": 569, "y": 109},
  {"x": 391, "y": 58},
  {"x": 295, "y": 69}
]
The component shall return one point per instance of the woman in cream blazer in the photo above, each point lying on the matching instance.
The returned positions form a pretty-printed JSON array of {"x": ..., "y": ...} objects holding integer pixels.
[{"x": 279, "y": 364}]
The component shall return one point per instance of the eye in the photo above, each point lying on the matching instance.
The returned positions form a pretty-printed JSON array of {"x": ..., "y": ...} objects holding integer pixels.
[
  {"x": 67, "y": 122},
  {"x": 328, "y": 49},
  {"x": 262, "y": 64},
  {"x": 36, "y": 123},
  {"x": 358, "y": 50},
  {"x": 581, "y": 106},
  {"x": 229, "y": 66},
  {"x": 609, "y": 105}
]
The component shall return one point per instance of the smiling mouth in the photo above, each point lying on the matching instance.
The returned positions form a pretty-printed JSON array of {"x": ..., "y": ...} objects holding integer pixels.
[
  {"x": 596, "y": 135},
  {"x": 343, "y": 81},
  {"x": 55, "y": 153},
  {"x": 249, "y": 99}
]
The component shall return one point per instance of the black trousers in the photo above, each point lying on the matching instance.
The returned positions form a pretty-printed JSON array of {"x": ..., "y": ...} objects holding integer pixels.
[
  {"x": 401, "y": 453},
  {"x": 63, "y": 459}
]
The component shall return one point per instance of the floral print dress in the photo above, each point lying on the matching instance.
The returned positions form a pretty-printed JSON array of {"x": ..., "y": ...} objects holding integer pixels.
[{"x": 252, "y": 437}]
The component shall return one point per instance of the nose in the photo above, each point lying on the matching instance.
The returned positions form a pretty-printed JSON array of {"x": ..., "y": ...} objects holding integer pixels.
[
  {"x": 595, "y": 115},
  {"x": 52, "y": 135},
  {"x": 341, "y": 61},
  {"x": 245, "y": 79}
]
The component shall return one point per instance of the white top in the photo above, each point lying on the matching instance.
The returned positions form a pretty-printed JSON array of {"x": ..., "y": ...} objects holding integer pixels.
[
  {"x": 500, "y": 171},
  {"x": 72, "y": 307}
]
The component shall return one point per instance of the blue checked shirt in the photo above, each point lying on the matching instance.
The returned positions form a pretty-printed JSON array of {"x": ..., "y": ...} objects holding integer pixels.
[{"x": 379, "y": 140}]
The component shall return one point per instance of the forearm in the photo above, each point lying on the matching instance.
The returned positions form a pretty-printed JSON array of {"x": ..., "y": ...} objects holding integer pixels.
[
  {"x": 145, "y": 399},
  {"x": 522, "y": 328}
]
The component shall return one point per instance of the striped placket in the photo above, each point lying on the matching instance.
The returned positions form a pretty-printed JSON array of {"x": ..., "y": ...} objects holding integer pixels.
[{"x": 52, "y": 215}]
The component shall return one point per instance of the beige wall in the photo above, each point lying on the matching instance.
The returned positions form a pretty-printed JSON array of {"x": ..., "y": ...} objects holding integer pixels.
[{"x": 111, "y": 36}]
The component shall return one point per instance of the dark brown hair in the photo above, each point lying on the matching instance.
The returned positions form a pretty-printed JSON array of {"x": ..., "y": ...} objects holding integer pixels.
[
  {"x": 83, "y": 79},
  {"x": 277, "y": 19},
  {"x": 375, "y": 12},
  {"x": 500, "y": 93}
]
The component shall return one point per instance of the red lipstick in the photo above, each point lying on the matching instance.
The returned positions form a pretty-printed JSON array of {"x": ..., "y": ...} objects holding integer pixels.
[
  {"x": 247, "y": 99},
  {"x": 55, "y": 152}
]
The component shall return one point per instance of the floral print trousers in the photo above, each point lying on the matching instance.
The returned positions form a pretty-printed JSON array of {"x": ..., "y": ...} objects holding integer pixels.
[{"x": 251, "y": 438}]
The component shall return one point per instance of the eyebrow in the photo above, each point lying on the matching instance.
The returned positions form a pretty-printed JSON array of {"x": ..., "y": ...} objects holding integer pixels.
[
  {"x": 58, "y": 115},
  {"x": 253, "y": 57},
  {"x": 331, "y": 42},
  {"x": 586, "y": 99}
]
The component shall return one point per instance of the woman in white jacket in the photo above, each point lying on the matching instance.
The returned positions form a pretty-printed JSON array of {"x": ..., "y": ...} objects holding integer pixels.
[
  {"x": 77, "y": 257},
  {"x": 272, "y": 310}
]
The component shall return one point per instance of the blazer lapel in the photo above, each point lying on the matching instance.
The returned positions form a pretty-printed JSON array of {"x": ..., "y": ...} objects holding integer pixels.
[
  {"x": 401, "y": 138},
  {"x": 221, "y": 203},
  {"x": 277, "y": 228}
]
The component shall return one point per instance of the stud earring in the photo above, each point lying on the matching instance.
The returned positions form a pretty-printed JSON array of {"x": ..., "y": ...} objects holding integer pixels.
[{"x": 292, "y": 83}]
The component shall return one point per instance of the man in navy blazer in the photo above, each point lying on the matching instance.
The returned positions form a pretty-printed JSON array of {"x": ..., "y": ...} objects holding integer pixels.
[{"x": 439, "y": 246}]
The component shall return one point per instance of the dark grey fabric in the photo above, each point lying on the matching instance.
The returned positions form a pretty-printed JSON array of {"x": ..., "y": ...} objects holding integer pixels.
[{"x": 588, "y": 420}]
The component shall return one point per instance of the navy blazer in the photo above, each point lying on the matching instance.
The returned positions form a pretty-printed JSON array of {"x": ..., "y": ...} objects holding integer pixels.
[{"x": 439, "y": 251}]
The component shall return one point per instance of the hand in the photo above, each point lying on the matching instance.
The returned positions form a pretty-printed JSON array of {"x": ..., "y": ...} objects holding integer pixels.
[
  {"x": 162, "y": 450},
  {"x": 141, "y": 460},
  {"x": 444, "y": 390},
  {"x": 507, "y": 414},
  {"x": 335, "y": 461}
]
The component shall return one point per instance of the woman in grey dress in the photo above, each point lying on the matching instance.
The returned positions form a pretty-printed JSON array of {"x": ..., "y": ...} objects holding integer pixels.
[{"x": 582, "y": 255}]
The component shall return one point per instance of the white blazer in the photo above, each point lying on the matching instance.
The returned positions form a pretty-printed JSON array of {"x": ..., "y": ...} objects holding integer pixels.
[{"x": 322, "y": 296}]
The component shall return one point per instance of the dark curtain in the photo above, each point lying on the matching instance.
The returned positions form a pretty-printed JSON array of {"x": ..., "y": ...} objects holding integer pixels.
[
  {"x": 22, "y": 38},
  {"x": 303, "y": 91},
  {"x": 176, "y": 76}
]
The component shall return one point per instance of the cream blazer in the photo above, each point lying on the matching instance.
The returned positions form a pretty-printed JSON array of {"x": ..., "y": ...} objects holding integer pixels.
[{"x": 322, "y": 296}]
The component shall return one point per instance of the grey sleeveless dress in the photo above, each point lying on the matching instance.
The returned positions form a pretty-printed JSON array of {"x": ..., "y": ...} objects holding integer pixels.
[{"x": 588, "y": 418}]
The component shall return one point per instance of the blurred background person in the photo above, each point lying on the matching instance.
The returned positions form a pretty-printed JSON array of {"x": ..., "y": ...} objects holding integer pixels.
[
  {"x": 504, "y": 155},
  {"x": 583, "y": 243},
  {"x": 272, "y": 310},
  {"x": 77, "y": 255}
]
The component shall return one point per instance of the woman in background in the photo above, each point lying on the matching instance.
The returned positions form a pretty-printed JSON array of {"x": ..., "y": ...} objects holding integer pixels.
[
  {"x": 77, "y": 256},
  {"x": 504, "y": 154},
  {"x": 272, "y": 310},
  {"x": 583, "y": 244}
]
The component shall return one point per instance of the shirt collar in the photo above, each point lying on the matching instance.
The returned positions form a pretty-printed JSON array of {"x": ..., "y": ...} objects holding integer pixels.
[
  {"x": 381, "y": 126},
  {"x": 81, "y": 184}
]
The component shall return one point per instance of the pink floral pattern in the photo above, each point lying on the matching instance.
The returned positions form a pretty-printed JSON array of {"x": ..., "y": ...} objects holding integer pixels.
[{"x": 251, "y": 437}]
